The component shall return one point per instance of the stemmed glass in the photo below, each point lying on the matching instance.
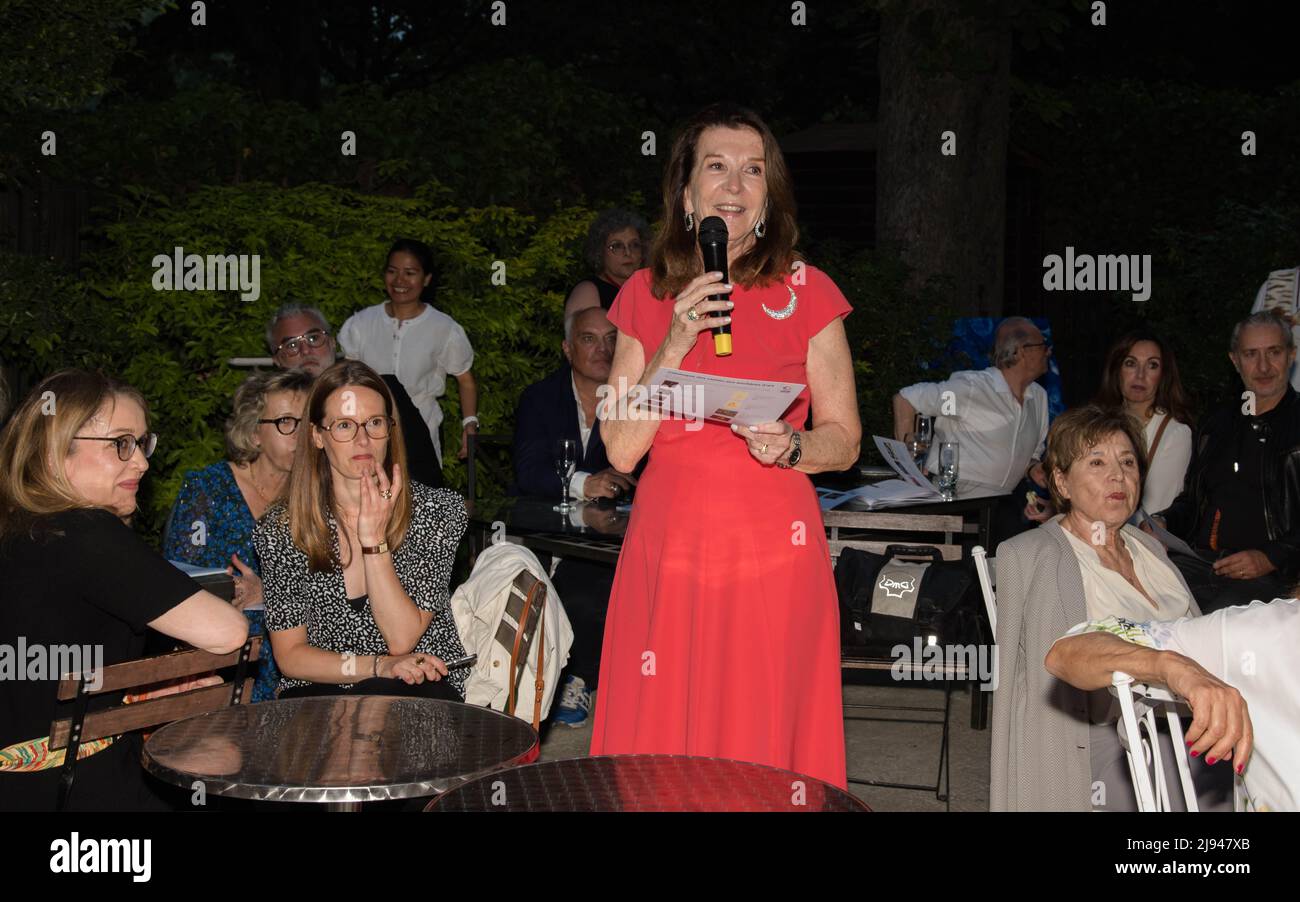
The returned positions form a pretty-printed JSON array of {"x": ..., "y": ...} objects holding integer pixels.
[
  {"x": 566, "y": 460},
  {"x": 923, "y": 436},
  {"x": 948, "y": 464}
]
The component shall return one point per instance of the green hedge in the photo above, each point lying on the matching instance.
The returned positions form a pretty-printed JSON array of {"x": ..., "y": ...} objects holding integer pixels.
[{"x": 324, "y": 246}]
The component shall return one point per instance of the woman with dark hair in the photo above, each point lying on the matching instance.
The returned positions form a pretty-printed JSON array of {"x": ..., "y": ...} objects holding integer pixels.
[
  {"x": 613, "y": 251},
  {"x": 1141, "y": 378},
  {"x": 355, "y": 558},
  {"x": 211, "y": 523},
  {"x": 421, "y": 345},
  {"x": 76, "y": 576},
  {"x": 722, "y": 638}
]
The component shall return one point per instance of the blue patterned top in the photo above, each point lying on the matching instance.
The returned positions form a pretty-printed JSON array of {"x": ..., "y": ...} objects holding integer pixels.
[{"x": 211, "y": 497}]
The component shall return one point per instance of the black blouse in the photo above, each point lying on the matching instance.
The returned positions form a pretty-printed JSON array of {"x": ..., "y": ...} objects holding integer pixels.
[
  {"x": 296, "y": 596},
  {"x": 89, "y": 581}
]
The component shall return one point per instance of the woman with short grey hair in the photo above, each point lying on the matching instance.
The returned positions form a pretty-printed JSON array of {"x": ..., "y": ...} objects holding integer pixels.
[{"x": 614, "y": 249}]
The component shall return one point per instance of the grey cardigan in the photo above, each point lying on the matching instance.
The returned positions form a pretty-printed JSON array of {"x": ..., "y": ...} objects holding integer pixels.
[{"x": 1040, "y": 746}]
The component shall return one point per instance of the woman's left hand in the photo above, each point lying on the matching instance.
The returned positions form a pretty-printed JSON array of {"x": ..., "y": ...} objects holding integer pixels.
[
  {"x": 248, "y": 586},
  {"x": 768, "y": 442},
  {"x": 377, "y": 503}
]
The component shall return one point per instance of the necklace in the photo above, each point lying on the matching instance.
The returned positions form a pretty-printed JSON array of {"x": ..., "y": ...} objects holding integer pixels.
[
  {"x": 785, "y": 311},
  {"x": 252, "y": 477}
]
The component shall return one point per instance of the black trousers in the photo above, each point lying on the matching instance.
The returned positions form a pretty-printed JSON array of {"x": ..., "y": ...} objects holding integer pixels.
[
  {"x": 379, "y": 686},
  {"x": 1213, "y": 592},
  {"x": 584, "y": 588}
]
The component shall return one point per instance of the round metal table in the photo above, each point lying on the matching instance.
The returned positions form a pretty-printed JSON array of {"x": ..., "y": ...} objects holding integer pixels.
[
  {"x": 337, "y": 750},
  {"x": 646, "y": 783}
]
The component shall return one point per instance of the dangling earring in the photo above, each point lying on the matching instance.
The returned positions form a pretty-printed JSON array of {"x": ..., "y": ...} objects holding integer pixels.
[
  {"x": 760, "y": 229},
  {"x": 690, "y": 222}
]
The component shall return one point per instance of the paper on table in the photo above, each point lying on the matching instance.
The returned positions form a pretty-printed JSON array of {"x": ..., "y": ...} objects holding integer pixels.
[
  {"x": 682, "y": 394},
  {"x": 900, "y": 459}
]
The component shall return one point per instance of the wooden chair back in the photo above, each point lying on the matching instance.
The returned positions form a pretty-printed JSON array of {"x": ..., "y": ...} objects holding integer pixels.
[{"x": 79, "y": 726}]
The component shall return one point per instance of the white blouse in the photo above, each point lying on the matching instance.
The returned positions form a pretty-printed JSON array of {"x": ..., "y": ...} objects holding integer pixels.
[
  {"x": 1110, "y": 595},
  {"x": 1166, "y": 471}
]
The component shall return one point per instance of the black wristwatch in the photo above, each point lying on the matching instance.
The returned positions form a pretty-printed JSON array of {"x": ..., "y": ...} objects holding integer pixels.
[{"x": 796, "y": 452}]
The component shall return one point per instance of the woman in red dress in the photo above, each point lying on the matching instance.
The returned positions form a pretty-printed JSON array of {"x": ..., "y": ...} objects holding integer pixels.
[{"x": 722, "y": 637}]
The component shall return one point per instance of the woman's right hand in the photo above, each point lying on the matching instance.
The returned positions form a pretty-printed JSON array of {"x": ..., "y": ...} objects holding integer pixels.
[
  {"x": 412, "y": 669},
  {"x": 1220, "y": 728},
  {"x": 683, "y": 331}
]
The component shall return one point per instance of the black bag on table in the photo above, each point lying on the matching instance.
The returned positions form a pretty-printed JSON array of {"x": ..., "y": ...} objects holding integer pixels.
[{"x": 893, "y": 597}]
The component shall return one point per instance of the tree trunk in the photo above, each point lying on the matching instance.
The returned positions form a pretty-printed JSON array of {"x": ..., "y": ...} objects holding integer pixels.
[{"x": 941, "y": 70}]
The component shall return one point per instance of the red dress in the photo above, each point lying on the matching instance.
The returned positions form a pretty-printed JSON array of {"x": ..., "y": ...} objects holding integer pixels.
[{"x": 722, "y": 636}]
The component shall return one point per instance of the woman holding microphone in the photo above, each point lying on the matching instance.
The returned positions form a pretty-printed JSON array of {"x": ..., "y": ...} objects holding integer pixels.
[{"x": 722, "y": 638}]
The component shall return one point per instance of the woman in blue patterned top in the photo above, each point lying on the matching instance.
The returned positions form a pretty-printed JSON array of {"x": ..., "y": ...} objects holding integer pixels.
[{"x": 211, "y": 524}]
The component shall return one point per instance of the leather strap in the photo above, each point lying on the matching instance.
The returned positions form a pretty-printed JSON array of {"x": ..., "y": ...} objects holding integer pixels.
[
  {"x": 1151, "y": 452},
  {"x": 516, "y": 670}
]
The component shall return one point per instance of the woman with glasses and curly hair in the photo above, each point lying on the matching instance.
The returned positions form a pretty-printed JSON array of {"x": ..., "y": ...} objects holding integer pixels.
[
  {"x": 75, "y": 575},
  {"x": 356, "y": 559},
  {"x": 211, "y": 523}
]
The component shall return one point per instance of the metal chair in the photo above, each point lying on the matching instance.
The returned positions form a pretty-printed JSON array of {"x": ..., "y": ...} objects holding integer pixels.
[
  {"x": 984, "y": 567},
  {"x": 1143, "y": 752},
  {"x": 865, "y": 522},
  {"x": 475, "y": 445}
]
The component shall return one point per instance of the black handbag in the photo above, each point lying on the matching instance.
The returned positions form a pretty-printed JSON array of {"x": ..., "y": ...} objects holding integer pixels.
[{"x": 904, "y": 593}]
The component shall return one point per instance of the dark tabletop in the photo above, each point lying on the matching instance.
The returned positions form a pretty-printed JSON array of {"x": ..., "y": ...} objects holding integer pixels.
[
  {"x": 337, "y": 748},
  {"x": 646, "y": 783}
]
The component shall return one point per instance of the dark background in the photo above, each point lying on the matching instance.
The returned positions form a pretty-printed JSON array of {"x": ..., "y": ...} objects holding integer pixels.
[{"x": 501, "y": 141}]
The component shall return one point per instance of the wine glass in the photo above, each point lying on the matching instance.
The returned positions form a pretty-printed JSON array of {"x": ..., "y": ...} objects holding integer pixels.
[
  {"x": 566, "y": 460},
  {"x": 917, "y": 448},
  {"x": 948, "y": 460},
  {"x": 924, "y": 436}
]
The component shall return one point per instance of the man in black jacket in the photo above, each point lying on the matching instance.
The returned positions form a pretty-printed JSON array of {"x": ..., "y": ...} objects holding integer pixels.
[
  {"x": 563, "y": 405},
  {"x": 1240, "y": 504}
]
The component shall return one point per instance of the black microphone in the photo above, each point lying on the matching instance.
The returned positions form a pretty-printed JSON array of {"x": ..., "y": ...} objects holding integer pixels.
[{"x": 713, "y": 247}]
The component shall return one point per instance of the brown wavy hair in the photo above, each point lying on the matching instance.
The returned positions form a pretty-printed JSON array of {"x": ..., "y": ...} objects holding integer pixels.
[
  {"x": 1077, "y": 430},
  {"x": 1171, "y": 397},
  {"x": 310, "y": 489},
  {"x": 675, "y": 255},
  {"x": 38, "y": 439}
]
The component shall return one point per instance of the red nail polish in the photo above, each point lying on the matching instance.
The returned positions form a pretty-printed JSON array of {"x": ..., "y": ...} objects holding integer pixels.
[
  {"x": 1195, "y": 753},
  {"x": 1241, "y": 768},
  {"x": 1210, "y": 760}
]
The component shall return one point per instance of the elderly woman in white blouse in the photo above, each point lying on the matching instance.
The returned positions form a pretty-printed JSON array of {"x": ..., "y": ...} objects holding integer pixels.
[{"x": 1054, "y": 746}]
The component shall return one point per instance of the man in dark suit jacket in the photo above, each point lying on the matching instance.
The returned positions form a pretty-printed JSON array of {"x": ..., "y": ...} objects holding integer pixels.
[
  {"x": 563, "y": 405},
  {"x": 549, "y": 411}
]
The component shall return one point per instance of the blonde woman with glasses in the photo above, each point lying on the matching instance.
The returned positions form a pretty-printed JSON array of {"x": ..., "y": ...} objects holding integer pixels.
[
  {"x": 356, "y": 559},
  {"x": 211, "y": 523},
  {"x": 75, "y": 575}
]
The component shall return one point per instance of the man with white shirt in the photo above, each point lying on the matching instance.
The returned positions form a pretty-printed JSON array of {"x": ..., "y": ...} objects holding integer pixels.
[
  {"x": 563, "y": 405},
  {"x": 998, "y": 416}
]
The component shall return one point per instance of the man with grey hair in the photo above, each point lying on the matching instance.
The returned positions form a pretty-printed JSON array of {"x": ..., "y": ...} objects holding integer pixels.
[
  {"x": 299, "y": 336},
  {"x": 998, "y": 415},
  {"x": 1239, "y": 510},
  {"x": 1280, "y": 294}
]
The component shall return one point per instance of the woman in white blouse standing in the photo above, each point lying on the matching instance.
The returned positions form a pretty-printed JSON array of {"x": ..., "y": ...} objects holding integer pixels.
[
  {"x": 1142, "y": 378},
  {"x": 420, "y": 345}
]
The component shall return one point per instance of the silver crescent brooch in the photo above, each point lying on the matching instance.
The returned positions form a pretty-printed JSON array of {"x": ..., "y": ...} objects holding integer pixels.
[{"x": 785, "y": 311}]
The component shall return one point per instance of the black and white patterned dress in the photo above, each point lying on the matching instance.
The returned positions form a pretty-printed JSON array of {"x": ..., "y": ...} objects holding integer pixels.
[{"x": 296, "y": 596}]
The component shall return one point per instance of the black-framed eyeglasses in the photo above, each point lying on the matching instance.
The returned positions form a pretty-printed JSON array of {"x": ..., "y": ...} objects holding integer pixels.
[
  {"x": 618, "y": 247},
  {"x": 345, "y": 430},
  {"x": 126, "y": 444},
  {"x": 284, "y": 425},
  {"x": 313, "y": 338}
]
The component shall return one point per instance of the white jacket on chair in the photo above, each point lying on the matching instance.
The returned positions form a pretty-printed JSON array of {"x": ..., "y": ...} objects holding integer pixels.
[{"x": 478, "y": 605}]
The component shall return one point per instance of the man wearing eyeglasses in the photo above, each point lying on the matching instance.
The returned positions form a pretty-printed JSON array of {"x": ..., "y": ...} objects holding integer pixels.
[
  {"x": 1240, "y": 505},
  {"x": 300, "y": 337},
  {"x": 998, "y": 415}
]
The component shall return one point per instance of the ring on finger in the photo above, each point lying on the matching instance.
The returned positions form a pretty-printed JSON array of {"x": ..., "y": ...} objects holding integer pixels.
[
  {"x": 763, "y": 450},
  {"x": 386, "y": 494},
  {"x": 692, "y": 314}
]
